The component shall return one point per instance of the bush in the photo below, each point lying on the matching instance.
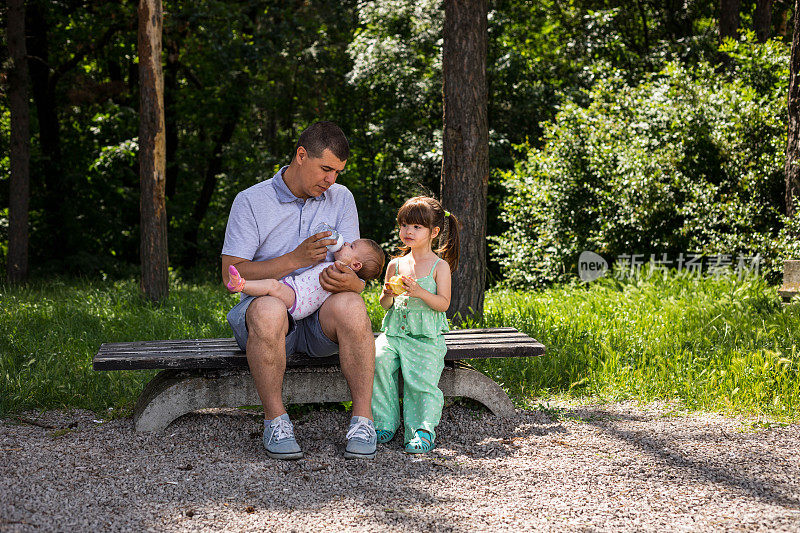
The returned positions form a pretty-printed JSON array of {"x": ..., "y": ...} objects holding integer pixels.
[{"x": 691, "y": 160}]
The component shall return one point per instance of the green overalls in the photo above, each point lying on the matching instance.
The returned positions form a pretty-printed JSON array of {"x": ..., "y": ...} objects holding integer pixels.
[{"x": 412, "y": 342}]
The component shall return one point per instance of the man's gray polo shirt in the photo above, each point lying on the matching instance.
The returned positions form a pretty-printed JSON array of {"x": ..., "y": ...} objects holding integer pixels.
[{"x": 268, "y": 221}]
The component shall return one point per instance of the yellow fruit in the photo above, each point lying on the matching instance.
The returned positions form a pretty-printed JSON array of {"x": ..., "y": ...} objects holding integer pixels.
[{"x": 396, "y": 283}]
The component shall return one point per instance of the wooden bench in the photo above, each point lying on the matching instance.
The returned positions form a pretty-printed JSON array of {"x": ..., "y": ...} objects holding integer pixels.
[{"x": 204, "y": 373}]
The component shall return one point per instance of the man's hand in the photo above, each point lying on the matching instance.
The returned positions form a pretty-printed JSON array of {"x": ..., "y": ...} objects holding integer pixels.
[
  {"x": 312, "y": 250},
  {"x": 340, "y": 278}
]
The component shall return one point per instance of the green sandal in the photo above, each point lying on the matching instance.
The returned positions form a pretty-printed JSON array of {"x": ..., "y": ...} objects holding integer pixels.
[
  {"x": 420, "y": 444},
  {"x": 384, "y": 435}
]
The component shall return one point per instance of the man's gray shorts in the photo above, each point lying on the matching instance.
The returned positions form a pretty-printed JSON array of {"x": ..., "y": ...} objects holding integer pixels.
[{"x": 304, "y": 336}]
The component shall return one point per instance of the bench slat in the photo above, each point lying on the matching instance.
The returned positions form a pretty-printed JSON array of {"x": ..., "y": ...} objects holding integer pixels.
[
  {"x": 225, "y": 354},
  {"x": 229, "y": 341},
  {"x": 454, "y": 349},
  {"x": 210, "y": 345}
]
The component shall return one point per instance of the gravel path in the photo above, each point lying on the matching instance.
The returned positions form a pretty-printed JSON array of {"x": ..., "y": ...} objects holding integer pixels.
[{"x": 611, "y": 467}]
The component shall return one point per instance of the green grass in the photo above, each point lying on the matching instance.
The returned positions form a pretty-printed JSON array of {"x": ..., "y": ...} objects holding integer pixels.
[
  {"x": 714, "y": 344},
  {"x": 49, "y": 333}
]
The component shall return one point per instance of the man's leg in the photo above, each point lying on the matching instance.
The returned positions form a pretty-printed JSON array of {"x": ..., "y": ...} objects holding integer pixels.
[
  {"x": 267, "y": 325},
  {"x": 344, "y": 320}
]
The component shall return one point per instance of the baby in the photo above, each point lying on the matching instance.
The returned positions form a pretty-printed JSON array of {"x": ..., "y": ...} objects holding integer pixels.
[{"x": 302, "y": 294}]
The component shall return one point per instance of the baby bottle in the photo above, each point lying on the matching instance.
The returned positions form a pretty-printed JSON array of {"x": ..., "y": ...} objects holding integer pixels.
[{"x": 334, "y": 235}]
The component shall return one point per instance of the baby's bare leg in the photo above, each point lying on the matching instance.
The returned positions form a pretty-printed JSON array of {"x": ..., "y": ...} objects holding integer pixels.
[{"x": 270, "y": 287}]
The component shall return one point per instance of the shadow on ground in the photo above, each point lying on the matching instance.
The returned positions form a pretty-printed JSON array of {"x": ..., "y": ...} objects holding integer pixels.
[{"x": 713, "y": 453}]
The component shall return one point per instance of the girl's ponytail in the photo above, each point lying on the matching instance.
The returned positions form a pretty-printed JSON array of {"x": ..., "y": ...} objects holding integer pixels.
[{"x": 449, "y": 243}]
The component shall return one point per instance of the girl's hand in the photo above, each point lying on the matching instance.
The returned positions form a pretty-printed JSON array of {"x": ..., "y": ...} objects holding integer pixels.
[
  {"x": 387, "y": 290},
  {"x": 412, "y": 287}
]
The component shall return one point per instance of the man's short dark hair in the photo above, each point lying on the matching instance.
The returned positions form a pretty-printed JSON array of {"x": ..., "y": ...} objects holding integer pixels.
[{"x": 321, "y": 135}]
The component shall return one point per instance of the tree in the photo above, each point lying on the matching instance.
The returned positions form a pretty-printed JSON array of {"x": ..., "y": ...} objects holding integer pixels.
[
  {"x": 53, "y": 62},
  {"x": 20, "y": 145},
  {"x": 465, "y": 162},
  {"x": 213, "y": 168},
  {"x": 793, "y": 139},
  {"x": 783, "y": 13},
  {"x": 152, "y": 153},
  {"x": 762, "y": 20},
  {"x": 43, "y": 85},
  {"x": 729, "y": 19}
]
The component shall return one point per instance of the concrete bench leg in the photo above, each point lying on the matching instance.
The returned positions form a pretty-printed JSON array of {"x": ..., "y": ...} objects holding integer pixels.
[
  {"x": 468, "y": 383},
  {"x": 171, "y": 394}
]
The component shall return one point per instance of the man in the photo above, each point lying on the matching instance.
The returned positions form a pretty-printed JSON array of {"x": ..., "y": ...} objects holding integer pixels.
[{"x": 269, "y": 236}]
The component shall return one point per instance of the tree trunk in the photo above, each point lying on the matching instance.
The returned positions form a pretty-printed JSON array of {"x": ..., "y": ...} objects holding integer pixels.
[
  {"x": 152, "y": 157},
  {"x": 645, "y": 32},
  {"x": 171, "y": 116},
  {"x": 17, "y": 267},
  {"x": 793, "y": 139},
  {"x": 213, "y": 169},
  {"x": 762, "y": 19},
  {"x": 465, "y": 163},
  {"x": 783, "y": 8},
  {"x": 53, "y": 176},
  {"x": 729, "y": 19},
  {"x": 676, "y": 21}
]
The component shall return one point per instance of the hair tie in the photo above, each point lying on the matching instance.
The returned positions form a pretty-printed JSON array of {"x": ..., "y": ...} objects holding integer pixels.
[{"x": 447, "y": 214}]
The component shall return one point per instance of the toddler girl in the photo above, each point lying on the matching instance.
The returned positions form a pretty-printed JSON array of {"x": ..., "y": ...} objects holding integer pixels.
[
  {"x": 302, "y": 293},
  {"x": 412, "y": 341}
]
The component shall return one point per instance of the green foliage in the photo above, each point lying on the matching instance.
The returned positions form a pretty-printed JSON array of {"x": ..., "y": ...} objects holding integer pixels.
[
  {"x": 243, "y": 77},
  {"x": 688, "y": 160},
  {"x": 251, "y": 67},
  {"x": 539, "y": 53},
  {"x": 396, "y": 73},
  {"x": 5, "y": 174},
  {"x": 787, "y": 243}
]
